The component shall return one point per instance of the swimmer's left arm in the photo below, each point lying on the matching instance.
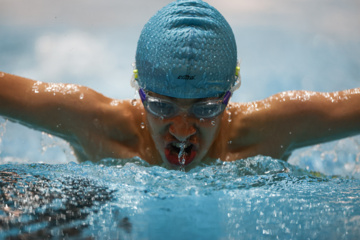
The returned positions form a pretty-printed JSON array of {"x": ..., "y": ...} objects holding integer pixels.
[
  {"x": 302, "y": 118},
  {"x": 325, "y": 116},
  {"x": 283, "y": 122}
]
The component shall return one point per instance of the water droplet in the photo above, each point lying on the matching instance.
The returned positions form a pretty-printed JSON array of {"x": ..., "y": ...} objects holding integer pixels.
[
  {"x": 133, "y": 102},
  {"x": 213, "y": 123},
  {"x": 114, "y": 103},
  {"x": 281, "y": 146},
  {"x": 229, "y": 117},
  {"x": 142, "y": 125},
  {"x": 229, "y": 142},
  {"x": 290, "y": 133},
  {"x": 81, "y": 96},
  {"x": 2, "y": 74},
  {"x": 202, "y": 120}
]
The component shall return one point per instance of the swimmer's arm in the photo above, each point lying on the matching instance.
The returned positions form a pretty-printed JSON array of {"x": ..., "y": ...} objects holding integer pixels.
[
  {"x": 54, "y": 108},
  {"x": 322, "y": 117},
  {"x": 297, "y": 119},
  {"x": 286, "y": 121}
]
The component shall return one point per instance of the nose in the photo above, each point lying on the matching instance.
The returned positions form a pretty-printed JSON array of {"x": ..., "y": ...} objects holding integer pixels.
[{"x": 182, "y": 127}]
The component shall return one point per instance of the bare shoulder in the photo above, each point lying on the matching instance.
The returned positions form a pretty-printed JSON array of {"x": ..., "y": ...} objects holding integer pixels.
[
  {"x": 119, "y": 119},
  {"x": 110, "y": 128}
]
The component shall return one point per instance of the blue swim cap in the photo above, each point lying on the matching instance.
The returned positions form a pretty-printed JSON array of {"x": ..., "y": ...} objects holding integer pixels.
[{"x": 187, "y": 50}]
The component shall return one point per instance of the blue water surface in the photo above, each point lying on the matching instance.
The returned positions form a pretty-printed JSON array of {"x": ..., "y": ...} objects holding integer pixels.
[{"x": 254, "y": 198}]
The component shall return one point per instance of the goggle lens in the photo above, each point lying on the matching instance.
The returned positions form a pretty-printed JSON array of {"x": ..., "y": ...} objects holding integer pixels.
[
  {"x": 207, "y": 110},
  {"x": 160, "y": 108}
]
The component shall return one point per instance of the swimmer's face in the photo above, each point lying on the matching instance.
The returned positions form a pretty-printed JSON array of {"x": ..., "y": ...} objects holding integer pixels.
[{"x": 197, "y": 133}]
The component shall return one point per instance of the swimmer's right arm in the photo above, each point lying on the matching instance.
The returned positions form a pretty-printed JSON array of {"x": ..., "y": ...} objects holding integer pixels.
[{"x": 49, "y": 107}]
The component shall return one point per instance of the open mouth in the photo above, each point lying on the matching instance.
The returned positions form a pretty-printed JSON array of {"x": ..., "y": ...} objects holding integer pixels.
[{"x": 172, "y": 151}]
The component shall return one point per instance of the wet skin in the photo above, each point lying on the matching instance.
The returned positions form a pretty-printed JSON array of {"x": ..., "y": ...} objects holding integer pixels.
[{"x": 98, "y": 127}]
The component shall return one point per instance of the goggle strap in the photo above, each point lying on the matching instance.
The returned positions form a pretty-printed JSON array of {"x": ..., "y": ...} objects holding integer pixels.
[
  {"x": 142, "y": 95},
  {"x": 227, "y": 97}
]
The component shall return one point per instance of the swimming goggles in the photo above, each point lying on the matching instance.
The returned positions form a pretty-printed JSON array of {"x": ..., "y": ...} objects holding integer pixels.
[{"x": 165, "y": 108}]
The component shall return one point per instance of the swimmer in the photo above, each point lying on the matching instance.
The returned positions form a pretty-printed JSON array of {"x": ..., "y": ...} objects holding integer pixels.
[{"x": 186, "y": 71}]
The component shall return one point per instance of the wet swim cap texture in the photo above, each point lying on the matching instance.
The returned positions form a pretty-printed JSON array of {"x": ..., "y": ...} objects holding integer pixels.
[{"x": 187, "y": 50}]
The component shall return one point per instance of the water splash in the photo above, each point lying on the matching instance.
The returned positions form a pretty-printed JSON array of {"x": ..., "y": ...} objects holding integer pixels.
[
  {"x": 61, "y": 88},
  {"x": 253, "y": 198},
  {"x": 2, "y": 129},
  {"x": 49, "y": 141},
  {"x": 115, "y": 102},
  {"x": 181, "y": 156},
  {"x": 36, "y": 86}
]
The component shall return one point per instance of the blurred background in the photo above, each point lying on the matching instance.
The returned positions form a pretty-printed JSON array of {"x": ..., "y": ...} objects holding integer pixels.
[{"x": 283, "y": 45}]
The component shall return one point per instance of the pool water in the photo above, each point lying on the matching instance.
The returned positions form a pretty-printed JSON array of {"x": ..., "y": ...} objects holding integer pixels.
[{"x": 254, "y": 198}]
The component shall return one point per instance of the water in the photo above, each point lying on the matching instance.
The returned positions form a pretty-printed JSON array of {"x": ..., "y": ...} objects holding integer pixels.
[
  {"x": 181, "y": 155},
  {"x": 255, "y": 198}
]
